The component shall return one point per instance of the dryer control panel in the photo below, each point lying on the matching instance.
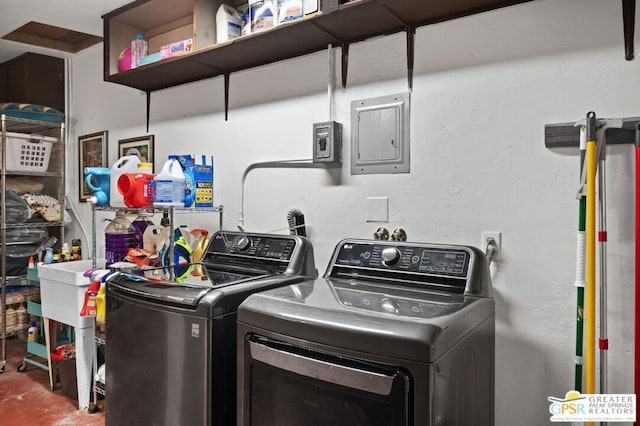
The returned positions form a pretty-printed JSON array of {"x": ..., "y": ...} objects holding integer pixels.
[
  {"x": 448, "y": 268},
  {"x": 405, "y": 257}
]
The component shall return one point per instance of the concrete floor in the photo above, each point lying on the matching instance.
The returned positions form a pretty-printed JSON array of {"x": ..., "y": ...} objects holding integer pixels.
[{"x": 26, "y": 398}]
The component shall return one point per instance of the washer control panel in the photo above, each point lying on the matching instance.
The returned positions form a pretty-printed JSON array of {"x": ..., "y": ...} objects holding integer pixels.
[
  {"x": 252, "y": 245},
  {"x": 422, "y": 259}
]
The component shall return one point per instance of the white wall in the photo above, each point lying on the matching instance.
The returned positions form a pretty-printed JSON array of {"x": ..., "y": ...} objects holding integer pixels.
[{"x": 484, "y": 88}]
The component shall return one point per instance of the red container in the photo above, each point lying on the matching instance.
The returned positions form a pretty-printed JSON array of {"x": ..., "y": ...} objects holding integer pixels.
[{"x": 137, "y": 189}]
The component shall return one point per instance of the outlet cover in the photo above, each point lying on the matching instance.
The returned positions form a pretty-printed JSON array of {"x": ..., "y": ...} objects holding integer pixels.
[{"x": 377, "y": 209}]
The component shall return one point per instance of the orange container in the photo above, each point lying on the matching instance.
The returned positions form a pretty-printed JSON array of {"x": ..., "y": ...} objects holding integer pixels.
[{"x": 136, "y": 189}]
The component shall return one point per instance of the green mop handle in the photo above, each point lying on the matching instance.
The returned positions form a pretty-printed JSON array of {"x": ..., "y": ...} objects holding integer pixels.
[{"x": 580, "y": 268}]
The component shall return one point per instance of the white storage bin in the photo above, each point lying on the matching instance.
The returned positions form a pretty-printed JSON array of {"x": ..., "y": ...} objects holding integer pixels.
[{"x": 28, "y": 153}]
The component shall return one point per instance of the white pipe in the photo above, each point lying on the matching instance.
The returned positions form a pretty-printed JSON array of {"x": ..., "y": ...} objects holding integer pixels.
[
  {"x": 331, "y": 83},
  {"x": 268, "y": 164},
  {"x": 68, "y": 71}
]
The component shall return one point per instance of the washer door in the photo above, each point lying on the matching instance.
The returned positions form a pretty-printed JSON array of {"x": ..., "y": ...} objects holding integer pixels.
[{"x": 295, "y": 386}]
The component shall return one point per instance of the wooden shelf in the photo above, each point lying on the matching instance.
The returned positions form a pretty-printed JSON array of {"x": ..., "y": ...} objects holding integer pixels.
[{"x": 335, "y": 24}]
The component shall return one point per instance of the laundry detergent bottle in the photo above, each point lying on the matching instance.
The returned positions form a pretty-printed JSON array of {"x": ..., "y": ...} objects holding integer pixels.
[
  {"x": 120, "y": 236},
  {"x": 170, "y": 185},
  {"x": 126, "y": 164}
]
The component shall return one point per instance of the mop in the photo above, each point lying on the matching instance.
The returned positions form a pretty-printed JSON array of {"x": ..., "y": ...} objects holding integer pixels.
[{"x": 580, "y": 278}]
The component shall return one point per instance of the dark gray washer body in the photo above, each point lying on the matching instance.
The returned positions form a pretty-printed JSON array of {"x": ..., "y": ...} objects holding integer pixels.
[{"x": 170, "y": 350}]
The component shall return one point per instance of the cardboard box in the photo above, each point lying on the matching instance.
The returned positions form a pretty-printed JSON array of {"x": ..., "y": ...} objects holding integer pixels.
[
  {"x": 149, "y": 59},
  {"x": 199, "y": 181},
  {"x": 176, "y": 49}
]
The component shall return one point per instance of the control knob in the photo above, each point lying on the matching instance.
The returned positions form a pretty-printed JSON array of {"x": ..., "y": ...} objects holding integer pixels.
[
  {"x": 390, "y": 256},
  {"x": 244, "y": 244},
  {"x": 390, "y": 305}
]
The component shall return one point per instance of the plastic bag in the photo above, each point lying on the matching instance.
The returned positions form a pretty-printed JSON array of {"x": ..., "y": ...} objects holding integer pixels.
[{"x": 16, "y": 208}]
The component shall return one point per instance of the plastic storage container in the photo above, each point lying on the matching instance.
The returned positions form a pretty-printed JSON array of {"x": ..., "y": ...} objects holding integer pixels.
[
  {"x": 126, "y": 164},
  {"x": 228, "y": 23},
  {"x": 170, "y": 185},
  {"x": 28, "y": 153},
  {"x": 140, "y": 224}
]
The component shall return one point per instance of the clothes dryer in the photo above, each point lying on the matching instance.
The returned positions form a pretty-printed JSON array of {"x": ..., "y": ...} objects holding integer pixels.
[{"x": 394, "y": 334}]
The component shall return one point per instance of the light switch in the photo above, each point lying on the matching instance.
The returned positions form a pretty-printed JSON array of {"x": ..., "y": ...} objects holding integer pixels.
[{"x": 377, "y": 209}]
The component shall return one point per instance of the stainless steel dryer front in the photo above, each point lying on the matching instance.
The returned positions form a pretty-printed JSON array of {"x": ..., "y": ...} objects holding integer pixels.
[{"x": 394, "y": 334}]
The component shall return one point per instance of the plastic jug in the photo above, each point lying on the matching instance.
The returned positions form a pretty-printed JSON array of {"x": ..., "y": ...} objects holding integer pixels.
[
  {"x": 170, "y": 185},
  {"x": 98, "y": 180},
  {"x": 119, "y": 236},
  {"x": 140, "y": 224},
  {"x": 154, "y": 238},
  {"x": 126, "y": 164},
  {"x": 136, "y": 189},
  {"x": 228, "y": 23}
]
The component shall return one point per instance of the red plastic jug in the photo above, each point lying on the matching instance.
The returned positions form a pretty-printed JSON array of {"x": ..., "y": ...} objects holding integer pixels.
[{"x": 136, "y": 189}]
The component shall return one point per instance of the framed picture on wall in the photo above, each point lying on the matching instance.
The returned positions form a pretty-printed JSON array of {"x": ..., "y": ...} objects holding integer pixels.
[
  {"x": 92, "y": 152},
  {"x": 141, "y": 146}
]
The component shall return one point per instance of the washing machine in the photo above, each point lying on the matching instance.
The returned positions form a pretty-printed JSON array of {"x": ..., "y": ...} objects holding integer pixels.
[
  {"x": 170, "y": 347},
  {"x": 393, "y": 334}
]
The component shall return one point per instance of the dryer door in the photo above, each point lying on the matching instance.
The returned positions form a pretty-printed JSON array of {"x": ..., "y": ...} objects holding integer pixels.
[{"x": 290, "y": 385}]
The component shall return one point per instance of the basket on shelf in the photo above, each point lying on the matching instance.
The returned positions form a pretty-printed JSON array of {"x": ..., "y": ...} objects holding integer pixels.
[{"x": 28, "y": 153}]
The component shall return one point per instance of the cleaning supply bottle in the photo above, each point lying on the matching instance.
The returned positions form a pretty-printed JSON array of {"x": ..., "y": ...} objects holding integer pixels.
[
  {"x": 199, "y": 246},
  {"x": 140, "y": 224},
  {"x": 126, "y": 164},
  {"x": 65, "y": 254},
  {"x": 12, "y": 319},
  {"x": 228, "y": 23},
  {"x": 101, "y": 310},
  {"x": 76, "y": 249},
  {"x": 32, "y": 332},
  {"x": 170, "y": 185},
  {"x": 138, "y": 49},
  {"x": 119, "y": 236},
  {"x": 23, "y": 317},
  {"x": 154, "y": 238}
]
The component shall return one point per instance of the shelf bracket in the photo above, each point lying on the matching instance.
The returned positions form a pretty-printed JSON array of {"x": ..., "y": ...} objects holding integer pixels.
[
  {"x": 629, "y": 22},
  {"x": 345, "y": 64},
  {"x": 148, "y": 108},
  {"x": 411, "y": 35},
  {"x": 226, "y": 96},
  {"x": 411, "y": 46}
]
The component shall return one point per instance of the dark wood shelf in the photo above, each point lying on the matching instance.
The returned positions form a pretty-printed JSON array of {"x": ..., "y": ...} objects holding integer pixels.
[{"x": 335, "y": 24}]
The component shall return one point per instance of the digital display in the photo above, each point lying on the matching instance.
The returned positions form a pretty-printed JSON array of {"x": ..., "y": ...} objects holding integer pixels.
[{"x": 444, "y": 262}]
